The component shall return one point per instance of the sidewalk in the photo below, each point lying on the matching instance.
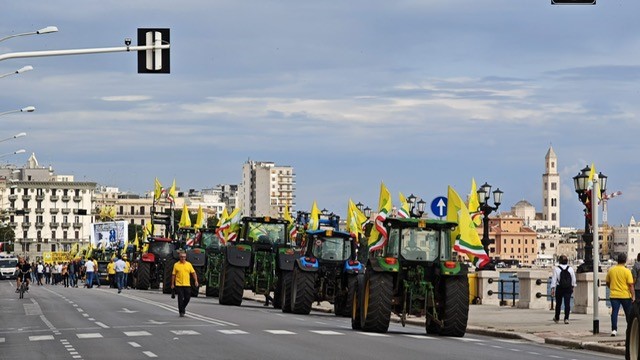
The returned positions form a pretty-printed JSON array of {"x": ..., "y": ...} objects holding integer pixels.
[{"x": 532, "y": 325}]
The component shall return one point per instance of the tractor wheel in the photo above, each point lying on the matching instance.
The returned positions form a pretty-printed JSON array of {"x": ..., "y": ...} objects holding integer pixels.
[
  {"x": 456, "y": 307},
  {"x": 356, "y": 303},
  {"x": 277, "y": 293},
  {"x": 195, "y": 290},
  {"x": 231, "y": 285},
  {"x": 302, "y": 291},
  {"x": 632, "y": 343},
  {"x": 287, "y": 279},
  {"x": 211, "y": 291},
  {"x": 143, "y": 274},
  {"x": 352, "y": 284},
  {"x": 166, "y": 278},
  {"x": 375, "y": 313}
]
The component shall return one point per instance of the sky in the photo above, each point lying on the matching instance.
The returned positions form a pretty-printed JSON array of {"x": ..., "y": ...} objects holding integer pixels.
[{"x": 419, "y": 94}]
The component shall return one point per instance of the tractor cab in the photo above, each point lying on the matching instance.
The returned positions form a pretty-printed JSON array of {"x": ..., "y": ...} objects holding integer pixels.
[
  {"x": 264, "y": 233},
  {"x": 330, "y": 246}
]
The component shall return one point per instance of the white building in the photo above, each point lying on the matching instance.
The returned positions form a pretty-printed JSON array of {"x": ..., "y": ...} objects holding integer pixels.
[
  {"x": 551, "y": 192},
  {"x": 266, "y": 188},
  {"x": 626, "y": 239},
  {"x": 48, "y": 212}
]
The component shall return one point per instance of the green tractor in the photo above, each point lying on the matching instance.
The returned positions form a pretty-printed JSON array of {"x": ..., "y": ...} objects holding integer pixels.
[
  {"x": 257, "y": 261},
  {"x": 415, "y": 273},
  {"x": 208, "y": 239},
  {"x": 197, "y": 248}
]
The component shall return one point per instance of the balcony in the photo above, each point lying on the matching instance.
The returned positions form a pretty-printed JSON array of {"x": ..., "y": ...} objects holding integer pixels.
[
  {"x": 54, "y": 225},
  {"x": 26, "y": 197},
  {"x": 13, "y": 197},
  {"x": 66, "y": 211},
  {"x": 77, "y": 198},
  {"x": 27, "y": 210},
  {"x": 66, "y": 225},
  {"x": 13, "y": 224},
  {"x": 66, "y": 198},
  {"x": 39, "y": 225},
  {"x": 39, "y": 211},
  {"x": 26, "y": 224},
  {"x": 77, "y": 225},
  {"x": 40, "y": 197},
  {"x": 54, "y": 210},
  {"x": 54, "y": 198}
]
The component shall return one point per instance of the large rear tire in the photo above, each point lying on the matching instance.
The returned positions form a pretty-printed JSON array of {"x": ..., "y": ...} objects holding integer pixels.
[
  {"x": 302, "y": 291},
  {"x": 632, "y": 343},
  {"x": 166, "y": 278},
  {"x": 211, "y": 291},
  {"x": 231, "y": 285},
  {"x": 277, "y": 293},
  {"x": 356, "y": 303},
  {"x": 375, "y": 313},
  {"x": 456, "y": 306},
  {"x": 287, "y": 279},
  {"x": 143, "y": 274}
]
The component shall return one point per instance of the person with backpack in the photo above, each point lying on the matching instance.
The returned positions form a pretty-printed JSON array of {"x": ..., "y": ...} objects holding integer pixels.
[
  {"x": 563, "y": 281},
  {"x": 635, "y": 273}
]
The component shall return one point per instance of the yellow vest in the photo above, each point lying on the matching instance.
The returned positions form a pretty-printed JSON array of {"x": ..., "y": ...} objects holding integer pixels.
[
  {"x": 182, "y": 273},
  {"x": 127, "y": 266}
]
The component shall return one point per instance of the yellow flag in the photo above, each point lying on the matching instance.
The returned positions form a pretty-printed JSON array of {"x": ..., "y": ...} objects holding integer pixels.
[
  {"x": 474, "y": 204},
  {"x": 185, "y": 221},
  {"x": 355, "y": 219},
  {"x": 223, "y": 217},
  {"x": 112, "y": 212},
  {"x": 172, "y": 192},
  {"x": 466, "y": 236},
  {"x": 157, "y": 191},
  {"x": 314, "y": 221},
  {"x": 200, "y": 219},
  {"x": 233, "y": 219},
  {"x": 287, "y": 215},
  {"x": 136, "y": 242},
  {"x": 404, "y": 211},
  {"x": 592, "y": 174},
  {"x": 378, "y": 235}
]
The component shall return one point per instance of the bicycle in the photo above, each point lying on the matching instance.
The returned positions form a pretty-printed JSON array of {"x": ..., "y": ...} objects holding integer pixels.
[{"x": 23, "y": 285}]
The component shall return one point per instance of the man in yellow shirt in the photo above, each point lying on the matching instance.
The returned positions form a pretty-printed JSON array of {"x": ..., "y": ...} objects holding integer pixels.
[
  {"x": 111, "y": 271},
  {"x": 182, "y": 270},
  {"x": 621, "y": 292},
  {"x": 127, "y": 268}
]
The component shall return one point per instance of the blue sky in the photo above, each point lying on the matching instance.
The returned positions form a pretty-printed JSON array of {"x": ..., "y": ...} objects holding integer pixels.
[{"x": 417, "y": 93}]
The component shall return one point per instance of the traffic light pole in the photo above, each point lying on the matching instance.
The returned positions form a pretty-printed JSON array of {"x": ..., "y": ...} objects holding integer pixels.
[{"x": 44, "y": 53}]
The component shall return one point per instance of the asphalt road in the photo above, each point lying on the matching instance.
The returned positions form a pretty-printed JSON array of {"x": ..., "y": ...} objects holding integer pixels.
[{"x": 54, "y": 322}]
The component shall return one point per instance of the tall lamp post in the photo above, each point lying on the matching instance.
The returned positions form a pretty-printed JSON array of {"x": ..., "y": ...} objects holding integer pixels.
[
  {"x": 24, "y": 109},
  {"x": 46, "y": 30},
  {"x": 483, "y": 199},
  {"x": 583, "y": 189},
  {"x": 19, "y": 71}
]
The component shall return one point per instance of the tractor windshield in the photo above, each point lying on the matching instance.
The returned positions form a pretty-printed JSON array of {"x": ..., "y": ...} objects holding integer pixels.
[
  {"x": 161, "y": 248},
  {"x": 267, "y": 233},
  {"x": 414, "y": 244},
  {"x": 332, "y": 248},
  {"x": 210, "y": 239}
]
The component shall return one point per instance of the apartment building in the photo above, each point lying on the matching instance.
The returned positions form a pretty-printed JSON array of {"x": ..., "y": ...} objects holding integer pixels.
[{"x": 266, "y": 188}]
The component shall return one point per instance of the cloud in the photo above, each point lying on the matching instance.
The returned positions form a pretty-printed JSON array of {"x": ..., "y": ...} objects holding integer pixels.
[{"x": 126, "y": 98}]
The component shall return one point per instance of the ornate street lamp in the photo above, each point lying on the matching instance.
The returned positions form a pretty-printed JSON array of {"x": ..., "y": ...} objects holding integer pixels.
[
  {"x": 487, "y": 209},
  {"x": 582, "y": 188}
]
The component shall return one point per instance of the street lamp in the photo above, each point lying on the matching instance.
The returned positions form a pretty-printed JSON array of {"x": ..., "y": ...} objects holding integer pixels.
[
  {"x": 24, "y": 109},
  {"x": 486, "y": 209},
  {"x": 583, "y": 189},
  {"x": 46, "y": 30},
  {"x": 416, "y": 208},
  {"x": 19, "y": 135},
  {"x": 13, "y": 153},
  {"x": 19, "y": 71}
]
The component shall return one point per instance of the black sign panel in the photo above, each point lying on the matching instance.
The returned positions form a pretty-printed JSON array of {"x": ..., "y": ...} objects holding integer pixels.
[{"x": 153, "y": 61}]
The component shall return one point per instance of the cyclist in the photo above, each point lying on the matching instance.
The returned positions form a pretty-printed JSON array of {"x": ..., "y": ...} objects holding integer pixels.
[{"x": 24, "y": 268}]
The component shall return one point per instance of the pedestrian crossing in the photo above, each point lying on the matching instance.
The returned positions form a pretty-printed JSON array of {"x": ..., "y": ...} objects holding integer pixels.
[{"x": 275, "y": 332}]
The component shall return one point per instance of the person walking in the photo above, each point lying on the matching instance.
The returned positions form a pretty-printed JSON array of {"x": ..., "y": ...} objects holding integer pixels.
[
  {"x": 635, "y": 273},
  {"x": 72, "y": 272},
  {"x": 563, "y": 281},
  {"x": 621, "y": 291},
  {"x": 111, "y": 273},
  {"x": 119, "y": 267},
  {"x": 182, "y": 271},
  {"x": 90, "y": 268},
  {"x": 40, "y": 271},
  {"x": 64, "y": 273},
  {"x": 127, "y": 269},
  {"x": 47, "y": 274}
]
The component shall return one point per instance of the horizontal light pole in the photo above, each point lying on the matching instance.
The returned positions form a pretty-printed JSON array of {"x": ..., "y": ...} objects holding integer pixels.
[
  {"x": 46, "y": 30},
  {"x": 19, "y": 71},
  {"x": 24, "y": 109},
  {"x": 44, "y": 53}
]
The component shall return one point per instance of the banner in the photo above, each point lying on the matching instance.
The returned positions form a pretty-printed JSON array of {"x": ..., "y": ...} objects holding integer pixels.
[
  {"x": 51, "y": 257},
  {"x": 112, "y": 235}
]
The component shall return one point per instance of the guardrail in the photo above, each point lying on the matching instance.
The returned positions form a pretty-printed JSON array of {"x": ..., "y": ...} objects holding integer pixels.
[{"x": 501, "y": 292}]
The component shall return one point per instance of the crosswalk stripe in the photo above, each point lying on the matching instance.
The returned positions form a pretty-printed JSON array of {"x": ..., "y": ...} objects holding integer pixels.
[
  {"x": 150, "y": 354},
  {"x": 134, "y": 344},
  {"x": 89, "y": 336},
  {"x": 373, "y": 334},
  {"x": 233, "y": 332},
  {"x": 419, "y": 336},
  {"x": 185, "y": 332},
  {"x": 1, "y": 340},
  {"x": 137, "y": 333},
  {"x": 40, "y": 337},
  {"x": 468, "y": 339},
  {"x": 280, "y": 332},
  {"x": 326, "y": 332}
]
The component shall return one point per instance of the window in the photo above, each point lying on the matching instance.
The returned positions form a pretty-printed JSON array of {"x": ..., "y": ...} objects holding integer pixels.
[
  {"x": 38, "y": 248},
  {"x": 53, "y": 234},
  {"x": 554, "y": 186},
  {"x": 77, "y": 219},
  {"x": 554, "y": 202},
  {"x": 133, "y": 211},
  {"x": 141, "y": 210},
  {"x": 65, "y": 219},
  {"x": 53, "y": 247},
  {"x": 553, "y": 217},
  {"x": 64, "y": 235},
  {"x": 77, "y": 234}
]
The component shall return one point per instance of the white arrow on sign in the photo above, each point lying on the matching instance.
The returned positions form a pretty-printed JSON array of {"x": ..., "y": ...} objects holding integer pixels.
[
  {"x": 127, "y": 311},
  {"x": 441, "y": 205}
]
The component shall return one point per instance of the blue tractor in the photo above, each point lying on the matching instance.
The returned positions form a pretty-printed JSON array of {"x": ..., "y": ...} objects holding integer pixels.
[{"x": 327, "y": 271}]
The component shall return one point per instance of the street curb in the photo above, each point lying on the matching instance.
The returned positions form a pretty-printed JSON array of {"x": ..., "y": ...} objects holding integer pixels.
[{"x": 587, "y": 345}]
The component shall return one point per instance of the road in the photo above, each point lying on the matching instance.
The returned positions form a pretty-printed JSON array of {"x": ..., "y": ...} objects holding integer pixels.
[{"x": 54, "y": 322}]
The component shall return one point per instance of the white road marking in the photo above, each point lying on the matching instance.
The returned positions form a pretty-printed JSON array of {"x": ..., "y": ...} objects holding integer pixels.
[
  {"x": 73, "y": 353},
  {"x": 185, "y": 332},
  {"x": 326, "y": 332},
  {"x": 74, "y": 305},
  {"x": 134, "y": 344},
  {"x": 80, "y": 310},
  {"x": 321, "y": 323},
  {"x": 515, "y": 350},
  {"x": 280, "y": 332},
  {"x": 85, "y": 314},
  {"x": 497, "y": 346},
  {"x": 468, "y": 339},
  {"x": 555, "y": 356},
  {"x": 89, "y": 336},
  {"x": 419, "y": 336},
  {"x": 533, "y": 353},
  {"x": 68, "y": 346},
  {"x": 40, "y": 337},
  {"x": 150, "y": 354},
  {"x": 372, "y": 334},
  {"x": 233, "y": 332},
  {"x": 137, "y": 333},
  {"x": 1, "y": 340},
  {"x": 90, "y": 319},
  {"x": 102, "y": 325},
  {"x": 77, "y": 356}
]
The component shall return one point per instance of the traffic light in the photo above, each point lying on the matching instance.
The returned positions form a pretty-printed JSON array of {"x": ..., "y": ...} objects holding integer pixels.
[
  {"x": 573, "y": 2},
  {"x": 153, "y": 61}
]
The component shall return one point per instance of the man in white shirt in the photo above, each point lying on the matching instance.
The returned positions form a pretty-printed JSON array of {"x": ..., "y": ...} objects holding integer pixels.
[
  {"x": 119, "y": 267},
  {"x": 90, "y": 267},
  {"x": 40, "y": 272}
]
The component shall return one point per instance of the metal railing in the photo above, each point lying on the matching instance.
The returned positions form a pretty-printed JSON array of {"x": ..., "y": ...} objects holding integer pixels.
[{"x": 502, "y": 293}]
